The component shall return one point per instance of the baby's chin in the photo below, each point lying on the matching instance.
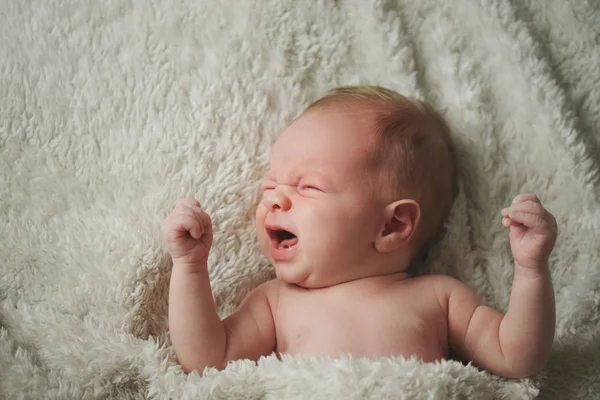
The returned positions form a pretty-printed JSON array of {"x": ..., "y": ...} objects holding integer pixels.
[
  {"x": 293, "y": 275},
  {"x": 287, "y": 273},
  {"x": 303, "y": 279}
]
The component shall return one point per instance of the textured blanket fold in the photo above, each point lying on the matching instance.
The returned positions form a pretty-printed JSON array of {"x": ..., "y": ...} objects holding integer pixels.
[{"x": 110, "y": 111}]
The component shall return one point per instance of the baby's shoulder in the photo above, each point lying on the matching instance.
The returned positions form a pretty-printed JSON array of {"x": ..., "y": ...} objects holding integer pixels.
[
  {"x": 268, "y": 291},
  {"x": 435, "y": 280},
  {"x": 442, "y": 286}
]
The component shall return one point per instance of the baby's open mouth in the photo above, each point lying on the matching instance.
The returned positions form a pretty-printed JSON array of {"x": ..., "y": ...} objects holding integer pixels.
[{"x": 282, "y": 239}]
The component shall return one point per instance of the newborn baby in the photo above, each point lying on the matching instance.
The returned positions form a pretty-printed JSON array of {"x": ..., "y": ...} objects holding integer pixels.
[{"x": 359, "y": 185}]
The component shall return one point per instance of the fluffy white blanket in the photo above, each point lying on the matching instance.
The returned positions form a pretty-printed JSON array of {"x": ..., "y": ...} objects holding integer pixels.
[{"x": 111, "y": 110}]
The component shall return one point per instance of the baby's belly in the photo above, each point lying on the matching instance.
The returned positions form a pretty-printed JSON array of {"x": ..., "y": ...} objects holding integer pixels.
[{"x": 407, "y": 339}]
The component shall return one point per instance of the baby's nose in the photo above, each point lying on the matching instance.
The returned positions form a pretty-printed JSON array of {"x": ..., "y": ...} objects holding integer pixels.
[{"x": 277, "y": 200}]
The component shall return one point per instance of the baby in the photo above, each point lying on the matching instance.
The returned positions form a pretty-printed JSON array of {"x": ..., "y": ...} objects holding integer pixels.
[{"x": 359, "y": 185}]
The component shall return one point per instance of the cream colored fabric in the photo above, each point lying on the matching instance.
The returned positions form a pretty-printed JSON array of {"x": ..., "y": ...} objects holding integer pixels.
[{"x": 110, "y": 111}]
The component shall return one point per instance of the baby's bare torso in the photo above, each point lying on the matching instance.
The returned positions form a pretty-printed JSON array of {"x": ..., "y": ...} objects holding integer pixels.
[{"x": 376, "y": 319}]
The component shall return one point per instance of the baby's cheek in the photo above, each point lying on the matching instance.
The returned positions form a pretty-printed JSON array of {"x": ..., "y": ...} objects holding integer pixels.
[
  {"x": 263, "y": 240},
  {"x": 261, "y": 212},
  {"x": 331, "y": 227},
  {"x": 263, "y": 244}
]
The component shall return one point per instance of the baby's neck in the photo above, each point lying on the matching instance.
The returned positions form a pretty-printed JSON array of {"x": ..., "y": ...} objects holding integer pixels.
[{"x": 365, "y": 284}]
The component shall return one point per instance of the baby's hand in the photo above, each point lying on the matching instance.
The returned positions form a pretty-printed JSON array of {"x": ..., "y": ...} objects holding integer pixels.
[
  {"x": 533, "y": 231},
  {"x": 187, "y": 232}
]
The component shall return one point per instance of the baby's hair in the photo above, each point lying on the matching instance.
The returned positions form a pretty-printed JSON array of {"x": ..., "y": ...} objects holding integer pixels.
[{"x": 414, "y": 151}]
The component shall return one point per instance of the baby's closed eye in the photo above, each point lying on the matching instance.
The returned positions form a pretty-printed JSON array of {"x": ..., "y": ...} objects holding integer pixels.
[
  {"x": 310, "y": 188},
  {"x": 267, "y": 185}
]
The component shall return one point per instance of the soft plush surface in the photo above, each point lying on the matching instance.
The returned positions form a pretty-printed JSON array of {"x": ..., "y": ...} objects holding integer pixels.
[{"x": 111, "y": 110}]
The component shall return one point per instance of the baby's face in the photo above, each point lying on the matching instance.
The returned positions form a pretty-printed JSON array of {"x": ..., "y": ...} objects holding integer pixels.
[{"x": 318, "y": 216}]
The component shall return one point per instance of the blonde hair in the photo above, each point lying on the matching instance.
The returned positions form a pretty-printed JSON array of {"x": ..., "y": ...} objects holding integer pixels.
[{"x": 413, "y": 152}]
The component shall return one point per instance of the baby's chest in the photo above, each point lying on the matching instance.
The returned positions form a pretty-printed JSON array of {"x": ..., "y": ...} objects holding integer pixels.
[{"x": 322, "y": 328}]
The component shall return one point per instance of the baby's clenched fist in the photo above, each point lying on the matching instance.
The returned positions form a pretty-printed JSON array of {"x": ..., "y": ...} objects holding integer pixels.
[
  {"x": 533, "y": 230},
  {"x": 187, "y": 232}
]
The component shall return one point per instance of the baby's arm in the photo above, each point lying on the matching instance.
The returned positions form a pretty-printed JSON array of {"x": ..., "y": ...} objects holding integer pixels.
[
  {"x": 199, "y": 337},
  {"x": 517, "y": 344},
  {"x": 514, "y": 345}
]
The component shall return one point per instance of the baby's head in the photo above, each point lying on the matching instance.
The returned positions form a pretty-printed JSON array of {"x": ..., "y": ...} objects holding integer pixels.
[{"x": 360, "y": 184}]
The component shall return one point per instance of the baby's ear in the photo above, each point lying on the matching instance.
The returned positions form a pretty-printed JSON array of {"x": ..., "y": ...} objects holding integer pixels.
[{"x": 401, "y": 219}]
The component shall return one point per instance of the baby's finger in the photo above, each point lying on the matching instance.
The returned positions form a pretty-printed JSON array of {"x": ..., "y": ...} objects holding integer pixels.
[
  {"x": 527, "y": 214},
  {"x": 525, "y": 219},
  {"x": 528, "y": 207},
  {"x": 525, "y": 197},
  {"x": 181, "y": 224},
  {"x": 206, "y": 226},
  {"x": 195, "y": 213},
  {"x": 187, "y": 202}
]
